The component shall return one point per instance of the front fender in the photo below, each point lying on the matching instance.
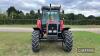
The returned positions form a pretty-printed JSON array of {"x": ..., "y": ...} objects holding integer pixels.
[
  {"x": 38, "y": 29},
  {"x": 65, "y": 29}
]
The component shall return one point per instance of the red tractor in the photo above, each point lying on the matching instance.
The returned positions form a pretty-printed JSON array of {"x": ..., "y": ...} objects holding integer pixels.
[{"x": 51, "y": 28}]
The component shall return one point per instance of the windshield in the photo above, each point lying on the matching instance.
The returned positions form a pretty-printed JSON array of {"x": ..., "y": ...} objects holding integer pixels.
[{"x": 47, "y": 15}]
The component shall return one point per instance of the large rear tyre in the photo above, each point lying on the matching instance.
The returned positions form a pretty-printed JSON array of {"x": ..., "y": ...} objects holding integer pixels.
[
  {"x": 35, "y": 41},
  {"x": 67, "y": 40}
]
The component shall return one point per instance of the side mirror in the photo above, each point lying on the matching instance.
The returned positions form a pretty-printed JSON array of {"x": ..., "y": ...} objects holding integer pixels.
[
  {"x": 38, "y": 11},
  {"x": 63, "y": 12}
]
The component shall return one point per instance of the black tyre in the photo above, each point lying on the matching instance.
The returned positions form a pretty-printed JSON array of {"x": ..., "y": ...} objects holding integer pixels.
[
  {"x": 35, "y": 41},
  {"x": 67, "y": 40}
]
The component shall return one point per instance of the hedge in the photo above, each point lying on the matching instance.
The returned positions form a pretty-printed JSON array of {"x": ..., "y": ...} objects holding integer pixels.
[{"x": 67, "y": 22}]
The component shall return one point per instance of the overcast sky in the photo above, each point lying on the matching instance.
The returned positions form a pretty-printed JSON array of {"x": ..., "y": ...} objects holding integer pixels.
[{"x": 86, "y": 7}]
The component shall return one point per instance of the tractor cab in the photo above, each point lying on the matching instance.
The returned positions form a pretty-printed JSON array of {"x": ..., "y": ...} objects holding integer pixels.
[
  {"x": 50, "y": 14},
  {"x": 51, "y": 19}
]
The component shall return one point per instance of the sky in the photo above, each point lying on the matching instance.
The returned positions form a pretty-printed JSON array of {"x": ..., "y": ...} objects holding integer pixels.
[{"x": 86, "y": 7}]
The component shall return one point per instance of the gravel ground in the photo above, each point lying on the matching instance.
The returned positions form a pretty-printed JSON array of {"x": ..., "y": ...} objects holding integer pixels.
[
  {"x": 20, "y": 29},
  {"x": 95, "y": 30}
]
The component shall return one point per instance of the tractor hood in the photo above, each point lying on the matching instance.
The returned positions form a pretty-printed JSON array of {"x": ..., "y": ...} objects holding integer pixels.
[{"x": 52, "y": 22}]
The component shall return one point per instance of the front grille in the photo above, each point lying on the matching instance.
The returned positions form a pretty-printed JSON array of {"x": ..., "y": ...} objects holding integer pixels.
[{"x": 52, "y": 29}]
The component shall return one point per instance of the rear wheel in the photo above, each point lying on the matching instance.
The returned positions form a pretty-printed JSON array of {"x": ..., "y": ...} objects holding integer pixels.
[
  {"x": 67, "y": 40},
  {"x": 35, "y": 41}
]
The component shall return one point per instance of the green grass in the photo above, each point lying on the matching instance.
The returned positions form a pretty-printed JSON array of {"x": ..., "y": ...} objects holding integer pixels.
[
  {"x": 71, "y": 26},
  {"x": 19, "y": 44}
]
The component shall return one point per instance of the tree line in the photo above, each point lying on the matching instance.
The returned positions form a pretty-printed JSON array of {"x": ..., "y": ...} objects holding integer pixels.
[{"x": 13, "y": 15}]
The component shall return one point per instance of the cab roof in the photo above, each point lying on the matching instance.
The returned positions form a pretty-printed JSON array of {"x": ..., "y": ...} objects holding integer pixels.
[{"x": 52, "y": 7}]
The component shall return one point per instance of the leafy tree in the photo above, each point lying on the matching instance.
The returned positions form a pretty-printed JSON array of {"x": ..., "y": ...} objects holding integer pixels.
[
  {"x": 32, "y": 14},
  {"x": 36, "y": 16},
  {"x": 80, "y": 17},
  {"x": 71, "y": 16},
  {"x": 21, "y": 15},
  {"x": 91, "y": 17},
  {"x": 27, "y": 16},
  {"x": 15, "y": 14},
  {"x": 98, "y": 18},
  {"x": 11, "y": 11},
  {"x": 3, "y": 16}
]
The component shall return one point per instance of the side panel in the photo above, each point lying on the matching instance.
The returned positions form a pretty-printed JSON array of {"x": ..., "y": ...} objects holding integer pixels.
[
  {"x": 39, "y": 23},
  {"x": 61, "y": 25}
]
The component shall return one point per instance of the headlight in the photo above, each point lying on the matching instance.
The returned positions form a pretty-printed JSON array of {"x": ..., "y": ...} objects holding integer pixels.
[
  {"x": 50, "y": 31},
  {"x": 55, "y": 31}
]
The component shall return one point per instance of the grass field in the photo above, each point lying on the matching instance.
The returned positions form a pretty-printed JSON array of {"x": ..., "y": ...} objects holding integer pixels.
[
  {"x": 19, "y": 44},
  {"x": 71, "y": 26}
]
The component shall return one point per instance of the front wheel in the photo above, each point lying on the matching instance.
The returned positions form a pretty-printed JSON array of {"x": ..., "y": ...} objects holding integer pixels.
[
  {"x": 35, "y": 41},
  {"x": 67, "y": 40}
]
